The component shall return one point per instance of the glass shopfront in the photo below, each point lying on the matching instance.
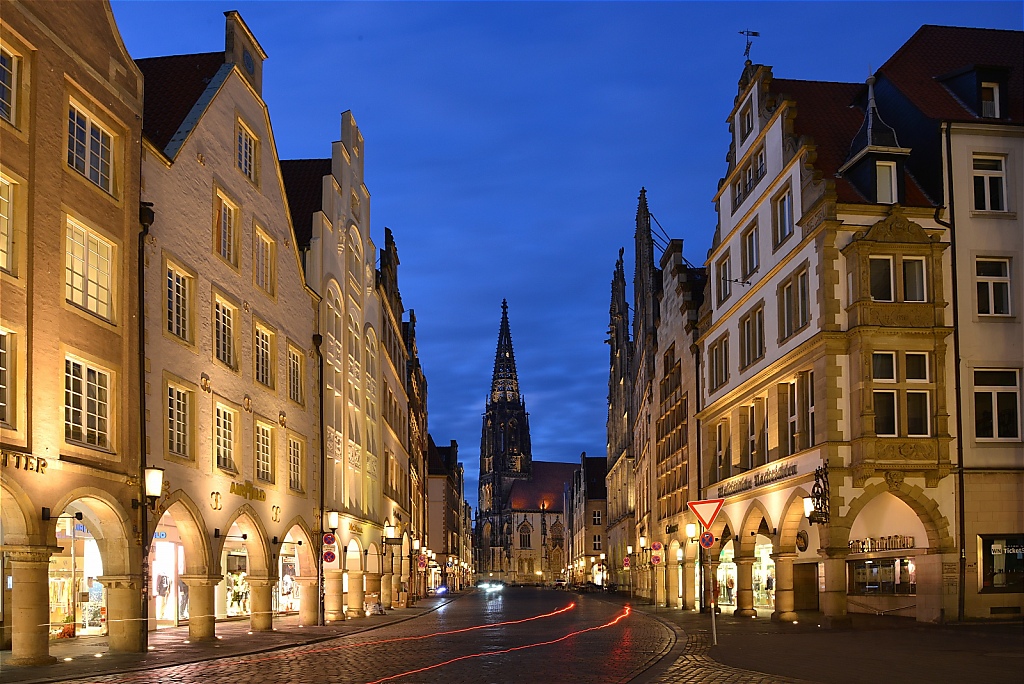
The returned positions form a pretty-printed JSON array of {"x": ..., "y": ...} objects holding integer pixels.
[
  {"x": 232, "y": 594},
  {"x": 882, "y": 577},
  {"x": 1002, "y": 563},
  {"x": 166, "y": 566},
  {"x": 727, "y": 578},
  {"x": 763, "y": 575},
  {"x": 286, "y": 593},
  {"x": 78, "y": 602}
]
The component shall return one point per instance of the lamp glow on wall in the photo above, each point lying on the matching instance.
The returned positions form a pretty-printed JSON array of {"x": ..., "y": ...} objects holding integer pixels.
[
  {"x": 154, "y": 480},
  {"x": 333, "y": 520}
]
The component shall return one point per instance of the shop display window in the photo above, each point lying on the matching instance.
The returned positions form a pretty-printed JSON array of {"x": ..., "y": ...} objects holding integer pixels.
[
  {"x": 1002, "y": 563},
  {"x": 883, "y": 577},
  {"x": 727, "y": 579},
  {"x": 78, "y": 601}
]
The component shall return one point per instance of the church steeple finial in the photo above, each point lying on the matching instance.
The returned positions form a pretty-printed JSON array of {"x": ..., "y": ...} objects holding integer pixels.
[{"x": 505, "y": 380}]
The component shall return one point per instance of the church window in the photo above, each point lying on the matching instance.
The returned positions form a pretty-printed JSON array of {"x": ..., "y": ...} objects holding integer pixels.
[{"x": 524, "y": 537}]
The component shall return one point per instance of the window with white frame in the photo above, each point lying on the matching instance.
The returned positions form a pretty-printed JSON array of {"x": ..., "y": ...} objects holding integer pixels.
[
  {"x": 86, "y": 404},
  {"x": 224, "y": 331},
  {"x": 783, "y": 216},
  {"x": 294, "y": 464},
  {"x": 765, "y": 430},
  {"x": 719, "y": 353},
  {"x": 997, "y": 403},
  {"x": 990, "y": 100},
  {"x": 179, "y": 288},
  {"x": 750, "y": 416},
  {"x": 225, "y": 229},
  {"x": 913, "y": 280},
  {"x": 597, "y": 517},
  {"x": 88, "y": 270},
  {"x": 885, "y": 413},
  {"x": 224, "y": 437},
  {"x": 916, "y": 366},
  {"x": 883, "y": 366},
  {"x": 792, "y": 418},
  {"x": 294, "y": 375},
  {"x": 885, "y": 179},
  {"x": 795, "y": 304},
  {"x": 918, "y": 414},
  {"x": 993, "y": 280},
  {"x": 724, "y": 268},
  {"x": 6, "y": 225},
  {"x": 246, "y": 152},
  {"x": 746, "y": 120},
  {"x": 750, "y": 251},
  {"x": 5, "y": 381},
  {"x": 597, "y": 542},
  {"x": 752, "y": 336},
  {"x": 178, "y": 408},
  {"x": 8, "y": 84},
  {"x": 89, "y": 148},
  {"x": 721, "y": 447},
  {"x": 989, "y": 183},
  {"x": 264, "y": 452},
  {"x": 810, "y": 409},
  {"x": 263, "y": 353},
  {"x": 263, "y": 261},
  {"x": 881, "y": 279}
]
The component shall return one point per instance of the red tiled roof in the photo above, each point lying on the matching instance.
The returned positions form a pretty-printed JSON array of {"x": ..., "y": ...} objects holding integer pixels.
[
  {"x": 304, "y": 185},
  {"x": 826, "y": 113},
  {"x": 546, "y": 487},
  {"x": 937, "y": 51},
  {"x": 173, "y": 86}
]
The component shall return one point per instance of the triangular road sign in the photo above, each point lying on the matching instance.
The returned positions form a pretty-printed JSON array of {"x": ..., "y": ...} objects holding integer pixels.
[{"x": 706, "y": 511}]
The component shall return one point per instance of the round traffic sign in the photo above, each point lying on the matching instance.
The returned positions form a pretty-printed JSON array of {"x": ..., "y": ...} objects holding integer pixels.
[
  {"x": 328, "y": 539},
  {"x": 329, "y": 557},
  {"x": 656, "y": 546},
  {"x": 656, "y": 559},
  {"x": 707, "y": 540},
  {"x": 625, "y": 562}
]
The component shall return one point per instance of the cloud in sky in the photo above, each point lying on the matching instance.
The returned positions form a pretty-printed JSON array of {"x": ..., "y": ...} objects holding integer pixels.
[{"x": 506, "y": 144}]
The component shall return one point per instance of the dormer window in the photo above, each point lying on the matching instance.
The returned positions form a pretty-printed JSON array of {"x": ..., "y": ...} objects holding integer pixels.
[
  {"x": 746, "y": 120},
  {"x": 885, "y": 179},
  {"x": 990, "y": 100}
]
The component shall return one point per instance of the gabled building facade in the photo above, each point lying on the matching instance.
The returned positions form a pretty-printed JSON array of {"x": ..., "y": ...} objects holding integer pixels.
[{"x": 586, "y": 515}]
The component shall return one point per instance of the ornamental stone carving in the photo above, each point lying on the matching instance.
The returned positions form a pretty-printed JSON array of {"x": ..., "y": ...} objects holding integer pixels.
[
  {"x": 905, "y": 451},
  {"x": 894, "y": 478},
  {"x": 896, "y": 228}
]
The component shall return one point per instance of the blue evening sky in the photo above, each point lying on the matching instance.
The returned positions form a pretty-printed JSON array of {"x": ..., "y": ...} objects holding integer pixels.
[{"x": 506, "y": 144}]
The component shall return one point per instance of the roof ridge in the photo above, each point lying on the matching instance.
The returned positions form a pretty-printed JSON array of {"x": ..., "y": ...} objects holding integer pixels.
[{"x": 189, "y": 54}]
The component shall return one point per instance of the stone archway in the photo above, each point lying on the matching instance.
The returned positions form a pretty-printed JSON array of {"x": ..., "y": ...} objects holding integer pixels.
[
  {"x": 26, "y": 560},
  {"x": 936, "y": 525},
  {"x": 785, "y": 551},
  {"x": 260, "y": 574},
  {"x": 180, "y": 512},
  {"x": 353, "y": 561}
]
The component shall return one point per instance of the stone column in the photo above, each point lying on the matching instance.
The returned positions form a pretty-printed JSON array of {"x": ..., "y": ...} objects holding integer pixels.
[
  {"x": 309, "y": 600},
  {"x": 833, "y": 601},
  {"x": 334, "y": 595},
  {"x": 30, "y": 629},
  {"x": 261, "y": 604},
  {"x": 689, "y": 585},
  {"x": 396, "y": 587},
  {"x": 784, "y": 600},
  {"x": 355, "y": 594},
  {"x": 373, "y": 586},
  {"x": 201, "y": 616},
  {"x": 124, "y": 612},
  {"x": 745, "y": 588},
  {"x": 387, "y": 581}
]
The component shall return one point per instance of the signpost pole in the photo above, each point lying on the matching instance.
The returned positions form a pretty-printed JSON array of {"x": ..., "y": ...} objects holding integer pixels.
[{"x": 714, "y": 607}]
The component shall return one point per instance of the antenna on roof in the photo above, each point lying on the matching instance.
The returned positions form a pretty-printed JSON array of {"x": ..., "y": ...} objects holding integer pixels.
[{"x": 749, "y": 34}]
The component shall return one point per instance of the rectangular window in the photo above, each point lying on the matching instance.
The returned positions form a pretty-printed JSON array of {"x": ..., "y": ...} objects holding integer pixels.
[
  {"x": 263, "y": 262},
  {"x": 89, "y": 148},
  {"x": 989, "y": 184},
  {"x": 224, "y": 332},
  {"x": 918, "y": 416},
  {"x": 225, "y": 230},
  {"x": 916, "y": 366},
  {"x": 885, "y": 177},
  {"x": 87, "y": 270},
  {"x": 792, "y": 423},
  {"x": 883, "y": 576},
  {"x": 990, "y": 100},
  {"x": 719, "y": 363},
  {"x": 5, "y": 386},
  {"x": 524, "y": 539},
  {"x": 294, "y": 375},
  {"x": 264, "y": 356},
  {"x": 885, "y": 413},
  {"x": 6, "y": 226},
  {"x": 746, "y": 120},
  {"x": 883, "y": 366},
  {"x": 881, "y": 279},
  {"x": 993, "y": 277},
  {"x": 783, "y": 216},
  {"x": 750, "y": 251},
  {"x": 86, "y": 404},
  {"x": 788, "y": 314},
  {"x": 178, "y": 421},
  {"x": 721, "y": 447},
  {"x": 224, "y": 438},
  {"x": 724, "y": 278},
  {"x": 597, "y": 517},
  {"x": 997, "y": 404},
  {"x": 750, "y": 414},
  {"x": 597, "y": 542},
  {"x": 8, "y": 76},
  {"x": 1002, "y": 563},
  {"x": 810, "y": 409},
  {"x": 803, "y": 299},
  {"x": 294, "y": 464},
  {"x": 264, "y": 452},
  {"x": 752, "y": 327},
  {"x": 177, "y": 302},
  {"x": 913, "y": 280},
  {"x": 246, "y": 152}
]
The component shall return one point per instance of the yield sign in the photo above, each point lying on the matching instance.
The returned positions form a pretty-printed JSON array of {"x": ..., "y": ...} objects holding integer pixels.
[{"x": 707, "y": 510}]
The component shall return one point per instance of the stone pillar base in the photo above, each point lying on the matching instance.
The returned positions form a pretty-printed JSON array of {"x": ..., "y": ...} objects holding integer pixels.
[
  {"x": 837, "y": 622},
  {"x": 261, "y": 604},
  {"x": 30, "y": 609},
  {"x": 745, "y": 612},
  {"x": 201, "y": 617},
  {"x": 124, "y": 606},
  {"x": 785, "y": 616},
  {"x": 334, "y": 595}
]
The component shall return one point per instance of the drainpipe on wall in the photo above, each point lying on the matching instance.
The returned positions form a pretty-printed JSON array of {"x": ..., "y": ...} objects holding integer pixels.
[
  {"x": 146, "y": 218},
  {"x": 318, "y": 340},
  {"x": 960, "y": 485}
]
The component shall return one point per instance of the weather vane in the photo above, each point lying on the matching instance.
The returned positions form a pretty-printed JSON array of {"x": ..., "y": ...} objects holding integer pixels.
[{"x": 749, "y": 34}]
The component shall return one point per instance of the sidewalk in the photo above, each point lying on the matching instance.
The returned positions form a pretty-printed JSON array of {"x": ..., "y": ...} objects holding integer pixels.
[
  {"x": 876, "y": 647},
  {"x": 89, "y": 656}
]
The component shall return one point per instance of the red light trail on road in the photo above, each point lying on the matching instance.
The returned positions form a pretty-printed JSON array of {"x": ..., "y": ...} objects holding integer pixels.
[{"x": 618, "y": 618}]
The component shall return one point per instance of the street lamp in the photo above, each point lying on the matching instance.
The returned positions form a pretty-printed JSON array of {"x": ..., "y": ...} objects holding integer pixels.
[
  {"x": 816, "y": 506},
  {"x": 603, "y": 573},
  {"x": 414, "y": 548},
  {"x": 679, "y": 569},
  {"x": 629, "y": 554},
  {"x": 332, "y": 521}
]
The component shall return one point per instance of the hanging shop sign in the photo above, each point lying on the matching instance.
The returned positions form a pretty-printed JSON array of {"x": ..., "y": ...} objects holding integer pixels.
[
  {"x": 896, "y": 542},
  {"x": 249, "y": 491},
  {"x": 765, "y": 477},
  {"x": 20, "y": 461}
]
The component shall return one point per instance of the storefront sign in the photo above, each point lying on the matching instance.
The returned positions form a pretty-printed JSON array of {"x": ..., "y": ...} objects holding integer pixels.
[
  {"x": 20, "y": 461},
  {"x": 766, "y": 477},
  {"x": 896, "y": 542},
  {"x": 248, "y": 491},
  {"x": 354, "y": 528}
]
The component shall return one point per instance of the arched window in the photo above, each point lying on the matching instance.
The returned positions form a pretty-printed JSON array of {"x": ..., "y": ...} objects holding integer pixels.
[{"x": 524, "y": 536}]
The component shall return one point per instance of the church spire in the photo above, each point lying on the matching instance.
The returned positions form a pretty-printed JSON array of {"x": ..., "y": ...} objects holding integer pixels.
[{"x": 505, "y": 380}]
